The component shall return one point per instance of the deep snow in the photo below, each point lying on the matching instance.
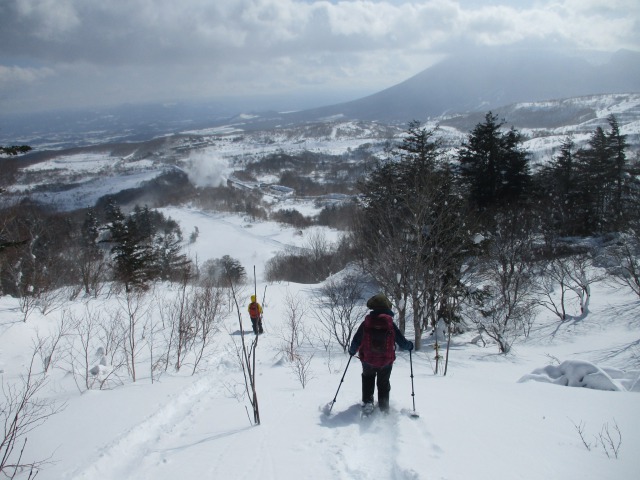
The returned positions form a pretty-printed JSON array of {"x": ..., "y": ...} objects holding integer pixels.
[{"x": 485, "y": 420}]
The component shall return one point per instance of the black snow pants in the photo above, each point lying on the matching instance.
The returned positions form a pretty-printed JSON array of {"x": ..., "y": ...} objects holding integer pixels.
[
  {"x": 256, "y": 324},
  {"x": 380, "y": 376}
]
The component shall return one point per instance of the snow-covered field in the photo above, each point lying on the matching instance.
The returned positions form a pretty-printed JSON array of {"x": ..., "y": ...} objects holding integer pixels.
[{"x": 478, "y": 422}]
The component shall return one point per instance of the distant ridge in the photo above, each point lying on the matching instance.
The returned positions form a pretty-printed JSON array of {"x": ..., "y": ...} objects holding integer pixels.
[
  {"x": 465, "y": 87},
  {"x": 485, "y": 80}
]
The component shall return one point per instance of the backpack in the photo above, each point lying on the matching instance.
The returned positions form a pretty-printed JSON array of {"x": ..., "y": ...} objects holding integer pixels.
[
  {"x": 378, "y": 340},
  {"x": 254, "y": 310}
]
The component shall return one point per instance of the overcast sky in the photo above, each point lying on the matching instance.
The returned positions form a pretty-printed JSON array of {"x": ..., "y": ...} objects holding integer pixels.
[{"x": 73, "y": 53}]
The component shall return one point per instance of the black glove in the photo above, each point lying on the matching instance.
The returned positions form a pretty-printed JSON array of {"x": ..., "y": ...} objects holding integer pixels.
[
  {"x": 352, "y": 352},
  {"x": 410, "y": 345}
]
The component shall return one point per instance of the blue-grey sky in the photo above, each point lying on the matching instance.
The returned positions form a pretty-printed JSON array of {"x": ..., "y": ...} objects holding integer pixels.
[{"x": 75, "y": 53}]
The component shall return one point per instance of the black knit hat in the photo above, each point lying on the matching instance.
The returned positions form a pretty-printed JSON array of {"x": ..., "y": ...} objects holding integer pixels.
[{"x": 379, "y": 302}]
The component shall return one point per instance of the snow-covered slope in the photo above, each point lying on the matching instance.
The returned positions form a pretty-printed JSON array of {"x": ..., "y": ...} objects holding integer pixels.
[{"x": 481, "y": 421}]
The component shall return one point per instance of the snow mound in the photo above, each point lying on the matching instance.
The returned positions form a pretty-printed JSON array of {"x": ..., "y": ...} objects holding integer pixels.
[
  {"x": 629, "y": 380},
  {"x": 579, "y": 373}
]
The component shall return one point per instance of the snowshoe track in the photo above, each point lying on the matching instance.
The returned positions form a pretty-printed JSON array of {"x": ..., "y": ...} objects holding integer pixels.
[
  {"x": 372, "y": 447},
  {"x": 120, "y": 458}
]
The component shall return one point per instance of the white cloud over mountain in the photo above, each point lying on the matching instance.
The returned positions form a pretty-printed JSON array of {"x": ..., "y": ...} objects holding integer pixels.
[{"x": 106, "y": 52}]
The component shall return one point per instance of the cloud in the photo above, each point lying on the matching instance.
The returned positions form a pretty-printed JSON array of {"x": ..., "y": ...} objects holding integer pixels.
[
  {"x": 139, "y": 31},
  {"x": 13, "y": 76},
  {"x": 205, "y": 48},
  {"x": 48, "y": 18}
]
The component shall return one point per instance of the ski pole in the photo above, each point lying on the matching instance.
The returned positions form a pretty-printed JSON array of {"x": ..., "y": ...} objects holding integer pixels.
[
  {"x": 341, "y": 380},
  {"x": 413, "y": 394}
]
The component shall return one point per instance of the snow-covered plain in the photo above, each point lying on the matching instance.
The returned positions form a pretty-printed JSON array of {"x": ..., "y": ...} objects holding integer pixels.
[{"x": 487, "y": 419}]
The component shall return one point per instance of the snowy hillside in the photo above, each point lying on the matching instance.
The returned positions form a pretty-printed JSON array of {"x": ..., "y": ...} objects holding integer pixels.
[
  {"x": 486, "y": 419},
  {"x": 547, "y": 124}
]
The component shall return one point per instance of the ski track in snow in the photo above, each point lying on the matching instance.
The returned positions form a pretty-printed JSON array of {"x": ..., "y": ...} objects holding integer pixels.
[
  {"x": 374, "y": 448},
  {"x": 120, "y": 459},
  {"x": 410, "y": 432}
]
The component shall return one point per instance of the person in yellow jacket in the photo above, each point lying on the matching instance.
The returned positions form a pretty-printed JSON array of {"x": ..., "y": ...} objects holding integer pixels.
[{"x": 255, "y": 313}]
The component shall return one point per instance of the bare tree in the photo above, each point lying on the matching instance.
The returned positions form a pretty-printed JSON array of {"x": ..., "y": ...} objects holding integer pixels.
[
  {"x": 507, "y": 307},
  {"x": 626, "y": 258},
  {"x": 82, "y": 348},
  {"x": 113, "y": 357},
  {"x": 37, "y": 267},
  {"x": 184, "y": 325},
  {"x": 93, "y": 268},
  {"x": 247, "y": 356},
  {"x": 301, "y": 367},
  {"x": 582, "y": 275},
  {"x": 28, "y": 303},
  {"x": 152, "y": 329},
  {"x": 413, "y": 235},
  {"x": 190, "y": 320},
  {"x": 339, "y": 307},
  {"x": 133, "y": 307},
  {"x": 178, "y": 321},
  {"x": 94, "y": 348},
  {"x": 572, "y": 274},
  {"x": 294, "y": 337},
  {"x": 48, "y": 346},
  {"x": 608, "y": 440},
  {"x": 85, "y": 351},
  {"x": 554, "y": 276},
  {"x": 208, "y": 311},
  {"x": 384, "y": 256},
  {"x": 50, "y": 300},
  {"x": 21, "y": 412},
  {"x": 293, "y": 333},
  {"x": 319, "y": 250}
]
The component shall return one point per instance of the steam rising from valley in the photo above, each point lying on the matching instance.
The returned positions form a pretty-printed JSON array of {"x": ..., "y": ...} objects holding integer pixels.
[{"x": 206, "y": 169}]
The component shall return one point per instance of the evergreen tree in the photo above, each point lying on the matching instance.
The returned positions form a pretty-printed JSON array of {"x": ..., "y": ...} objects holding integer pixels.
[
  {"x": 14, "y": 150},
  {"x": 90, "y": 229},
  {"x": 559, "y": 197},
  {"x": 232, "y": 270},
  {"x": 590, "y": 191},
  {"x": 90, "y": 258},
  {"x": 172, "y": 264},
  {"x": 617, "y": 146},
  {"x": 9, "y": 167},
  {"x": 133, "y": 256},
  {"x": 418, "y": 147},
  {"x": 593, "y": 182},
  {"x": 604, "y": 181},
  {"x": 146, "y": 247},
  {"x": 493, "y": 168}
]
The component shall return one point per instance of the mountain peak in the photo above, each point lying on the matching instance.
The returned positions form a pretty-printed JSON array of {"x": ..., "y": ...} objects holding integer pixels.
[{"x": 485, "y": 79}]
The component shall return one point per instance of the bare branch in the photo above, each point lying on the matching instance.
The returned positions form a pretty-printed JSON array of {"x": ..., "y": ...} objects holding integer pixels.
[{"x": 21, "y": 412}]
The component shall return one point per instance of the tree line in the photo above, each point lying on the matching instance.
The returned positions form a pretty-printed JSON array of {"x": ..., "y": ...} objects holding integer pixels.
[
  {"x": 472, "y": 234},
  {"x": 42, "y": 252}
]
